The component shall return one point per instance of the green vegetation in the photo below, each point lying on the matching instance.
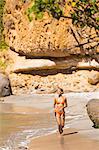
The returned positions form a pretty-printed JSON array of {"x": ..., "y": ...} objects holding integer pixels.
[
  {"x": 2, "y": 65},
  {"x": 84, "y": 12},
  {"x": 2, "y": 3},
  {"x": 40, "y": 6},
  {"x": 96, "y": 126},
  {"x": 3, "y": 45}
]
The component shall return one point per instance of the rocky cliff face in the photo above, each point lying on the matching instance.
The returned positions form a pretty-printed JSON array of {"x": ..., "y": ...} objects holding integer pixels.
[
  {"x": 46, "y": 47},
  {"x": 47, "y": 37}
]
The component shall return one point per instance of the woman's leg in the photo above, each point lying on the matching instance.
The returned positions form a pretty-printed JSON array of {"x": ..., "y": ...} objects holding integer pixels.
[
  {"x": 63, "y": 120},
  {"x": 58, "y": 119}
]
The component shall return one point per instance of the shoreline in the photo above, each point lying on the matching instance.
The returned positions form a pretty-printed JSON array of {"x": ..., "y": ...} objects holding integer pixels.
[{"x": 76, "y": 112}]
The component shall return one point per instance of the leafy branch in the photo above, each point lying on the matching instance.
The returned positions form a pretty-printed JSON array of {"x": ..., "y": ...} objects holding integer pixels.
[
  {"x": 40, "y": 6},
  {"x": 84, "y": 12}
]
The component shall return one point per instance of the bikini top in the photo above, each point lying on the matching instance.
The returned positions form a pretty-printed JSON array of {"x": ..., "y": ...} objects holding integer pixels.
[{"x": 60, "y": 102}]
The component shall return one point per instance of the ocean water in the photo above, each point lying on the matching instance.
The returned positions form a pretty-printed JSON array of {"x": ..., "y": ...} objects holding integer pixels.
[{"x": 16, "y": 130}]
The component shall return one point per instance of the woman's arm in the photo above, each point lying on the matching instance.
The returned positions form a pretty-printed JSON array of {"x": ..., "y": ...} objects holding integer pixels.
[
  {"x": 65, "y": 103},
  {"x": 54, "y": 102}
]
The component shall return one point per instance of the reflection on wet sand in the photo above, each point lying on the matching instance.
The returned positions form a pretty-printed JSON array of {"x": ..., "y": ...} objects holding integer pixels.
[
  {"x": 12, "y": 108},
  {"x": 16, "y": 119},
  {"x": 62, "y": 143}
]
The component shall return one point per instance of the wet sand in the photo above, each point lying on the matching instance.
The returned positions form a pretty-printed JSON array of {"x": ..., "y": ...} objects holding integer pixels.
[
  {"x": 79, "y": 136},
  {"x": 20, "y": 123},
  {"x": 70, "y": 140}
]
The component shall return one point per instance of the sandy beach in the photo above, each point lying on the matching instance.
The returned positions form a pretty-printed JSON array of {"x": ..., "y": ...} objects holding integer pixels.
[
  {"x": 49, "y": 74},
  {"x": 36, "y": 123},
  {"x": 79, "y": 136},
  {"x": 70, "y": 140}
]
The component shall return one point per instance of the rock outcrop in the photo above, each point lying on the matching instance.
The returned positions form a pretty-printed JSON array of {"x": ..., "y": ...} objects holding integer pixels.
[
  {"x": 5, "y": 87},
  {"x": 45, "y": 47},
  {"x": 93, "y": 111},
  {"x": 29, "y": 65},
  {"x": 93, "y": 78},
  {"x": 47, "y": 37},
  {"x": 22, "y": 65},
  {"x": 29, "y": 84}
]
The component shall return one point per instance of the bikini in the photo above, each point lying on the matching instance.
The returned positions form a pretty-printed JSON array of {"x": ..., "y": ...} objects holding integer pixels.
[{"x": 57, "y": 107}]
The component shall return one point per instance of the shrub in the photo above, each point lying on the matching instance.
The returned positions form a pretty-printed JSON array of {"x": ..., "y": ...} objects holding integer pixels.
[
  {"x": 2, "y": 64},
  {"x": 40, "y": 6},
  {"x": 3, "y": 45},
  {"x": 84, "y": 12}
]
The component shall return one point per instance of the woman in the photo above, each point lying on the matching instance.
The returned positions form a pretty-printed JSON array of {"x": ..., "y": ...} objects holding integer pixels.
[{"x": 59, "y": 104}]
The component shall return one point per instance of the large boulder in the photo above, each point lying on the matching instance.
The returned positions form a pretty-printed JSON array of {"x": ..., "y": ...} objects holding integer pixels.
[
  {"x": 47, "y": 37},
  {"x": 93, "y": 111},
  {"x": 5, "y": 88},
  {"x": 94, "y": 77}
]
